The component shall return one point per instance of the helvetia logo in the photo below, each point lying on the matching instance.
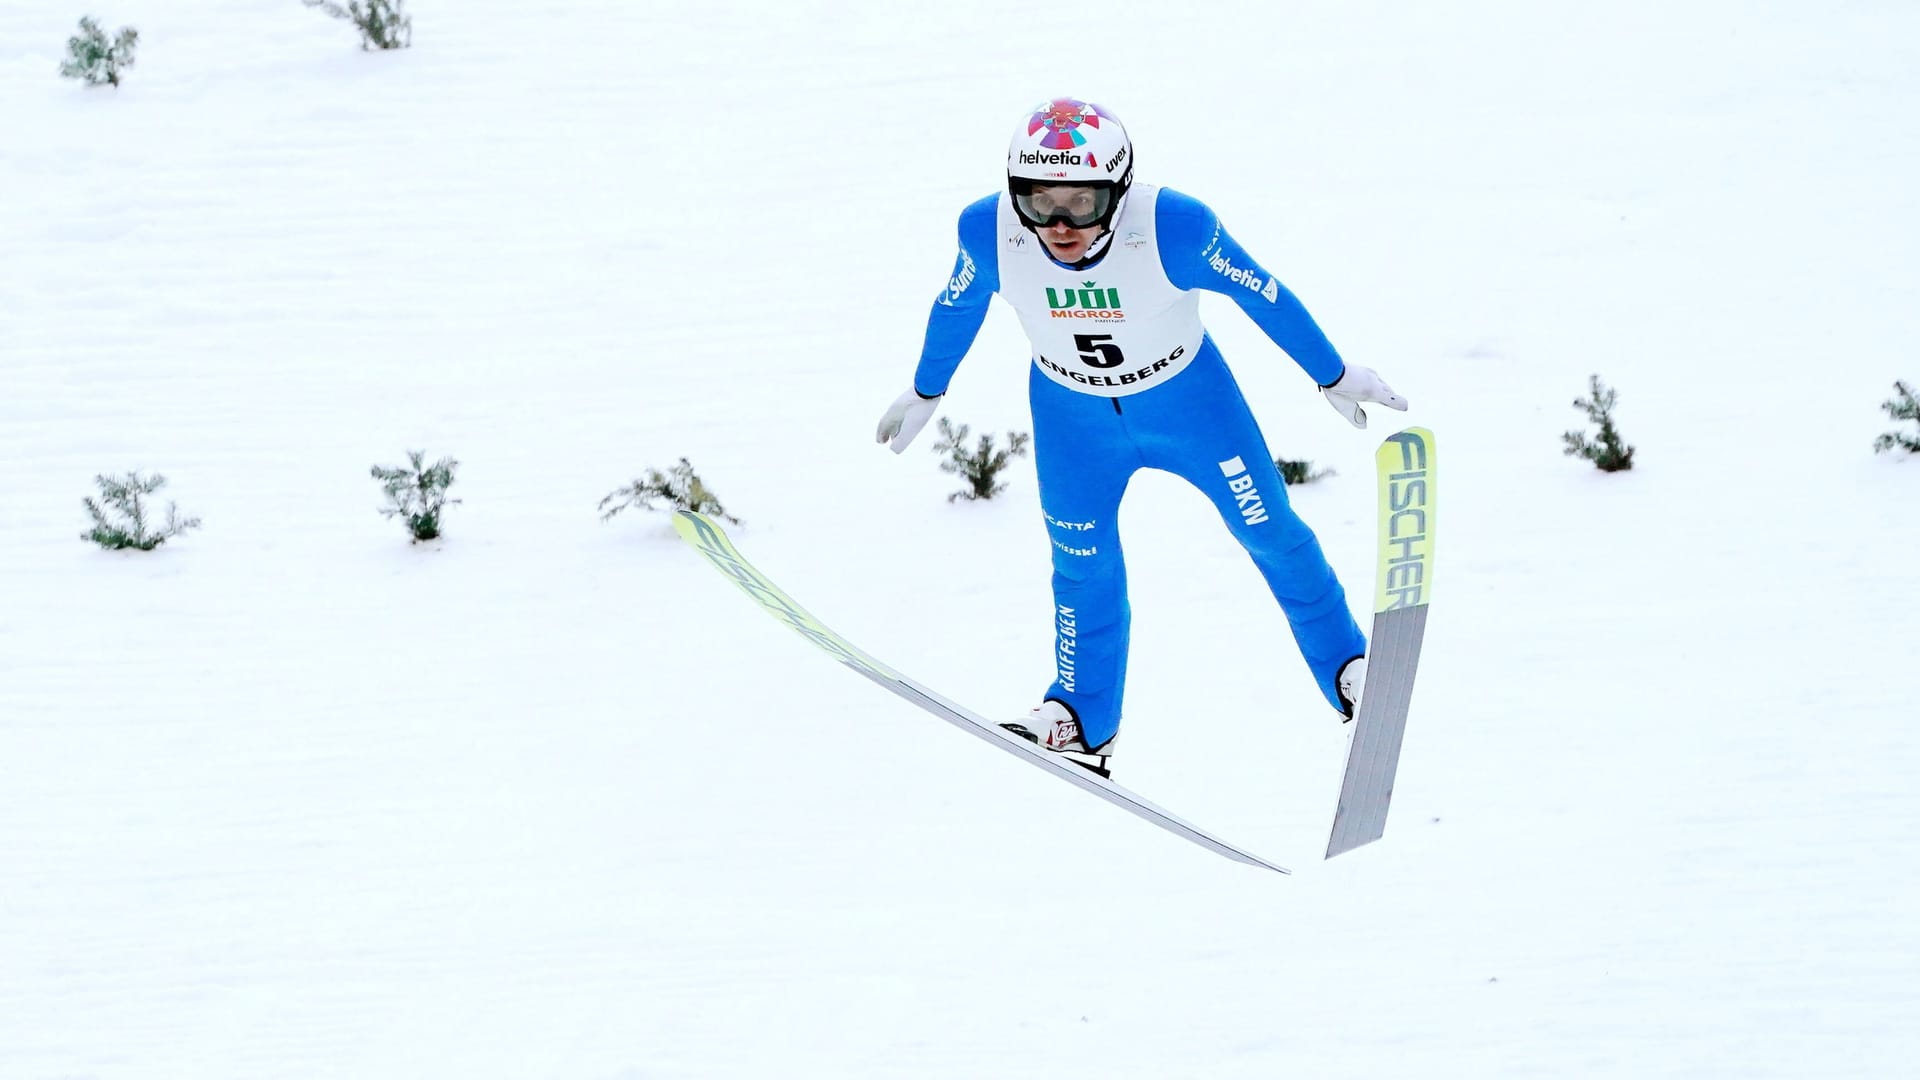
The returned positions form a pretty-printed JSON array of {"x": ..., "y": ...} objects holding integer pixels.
[
  {"x": 1239, "y": 275},
  {"x": 1090, "y": 301},
  {"x": 1058, "y": 157}
]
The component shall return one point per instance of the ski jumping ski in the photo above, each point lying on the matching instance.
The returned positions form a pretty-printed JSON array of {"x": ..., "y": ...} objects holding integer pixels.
[
  {"x": 710, "y": 540},
  {"x": 1404, "y": 468}
]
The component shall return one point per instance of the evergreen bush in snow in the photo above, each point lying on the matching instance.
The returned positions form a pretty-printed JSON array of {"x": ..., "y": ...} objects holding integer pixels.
[
  {"x": 417, "y": 492},
  {"x": 680, "y": 487},
  {"x": 1300, "y": 472},
  {"x": 1608, "y": 453},
  {"x": 91, "y": 57},
  {"x": 980, "y": 466},
  {"x": 120, "y": 516},
  {"x": 1903, "y": 407},
  {"x": 383, "y": 24}
]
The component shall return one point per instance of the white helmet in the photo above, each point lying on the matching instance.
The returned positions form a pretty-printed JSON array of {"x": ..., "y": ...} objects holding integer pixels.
[{"x": 1071, "y": 143}]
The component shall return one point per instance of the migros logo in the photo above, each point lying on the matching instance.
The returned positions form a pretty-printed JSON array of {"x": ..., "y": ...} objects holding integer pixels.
[{"x": 1090, "y": 301}]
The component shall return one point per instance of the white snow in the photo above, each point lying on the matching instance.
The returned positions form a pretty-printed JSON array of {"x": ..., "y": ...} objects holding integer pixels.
[{"x": 548, "y": 798}]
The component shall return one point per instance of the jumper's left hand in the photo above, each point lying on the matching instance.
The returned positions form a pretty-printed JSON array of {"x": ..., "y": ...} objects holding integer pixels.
[{"x": 1358, "y": 384}]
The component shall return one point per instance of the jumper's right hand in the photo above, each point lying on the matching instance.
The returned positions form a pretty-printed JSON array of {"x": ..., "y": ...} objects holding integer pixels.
[{"x": 904, "y": 419}]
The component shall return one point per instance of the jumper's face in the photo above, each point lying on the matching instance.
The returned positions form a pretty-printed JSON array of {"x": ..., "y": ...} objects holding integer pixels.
[
  {"x": 1070, "y": 213},
  {"x": 1066, "y": 243}
]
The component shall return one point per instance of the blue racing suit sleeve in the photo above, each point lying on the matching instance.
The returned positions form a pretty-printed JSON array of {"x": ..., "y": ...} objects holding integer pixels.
[
  {"x": 962, "y": 306},
  {"x": 1197, "y": 253}
]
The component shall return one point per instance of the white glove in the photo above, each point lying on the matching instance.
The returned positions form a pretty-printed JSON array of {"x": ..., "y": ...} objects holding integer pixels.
[
  {"x": 1358, "y": 384},
  {"x": 904, "y": 419}
]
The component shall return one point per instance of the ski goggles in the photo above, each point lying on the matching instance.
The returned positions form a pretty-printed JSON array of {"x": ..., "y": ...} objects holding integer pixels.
[{"x": 1079, "y": 205}]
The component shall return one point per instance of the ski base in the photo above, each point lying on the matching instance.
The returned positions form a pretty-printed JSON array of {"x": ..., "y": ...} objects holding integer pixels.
[{"x": 711, "y": 541}]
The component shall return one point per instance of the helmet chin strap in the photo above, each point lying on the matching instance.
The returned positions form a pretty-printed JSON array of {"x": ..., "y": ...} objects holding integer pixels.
[{"x": 1094, "y": 251}]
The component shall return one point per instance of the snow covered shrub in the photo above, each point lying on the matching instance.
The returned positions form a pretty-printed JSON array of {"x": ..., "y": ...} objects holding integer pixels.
[
  {"x": 419, "y": 493},
  {"x": 129, "y": 527},
  {"x": 1300, "y": 472},
  {"x": 1904, "y": 407},
  {"x": 383, "y": 24},
  {"x": 980, "y": 466},
  {"x": 679, "y": 486},
  {"x": 92, "y": 58},
  {"x": 1609, "y": 454}
]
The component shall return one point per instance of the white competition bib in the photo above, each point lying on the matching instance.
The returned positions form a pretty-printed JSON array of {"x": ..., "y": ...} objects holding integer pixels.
[{"x": 1116, "y": 328}]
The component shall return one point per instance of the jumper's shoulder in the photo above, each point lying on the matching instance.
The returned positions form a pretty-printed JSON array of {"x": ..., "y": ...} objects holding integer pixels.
[
  {"x": 978, "y": 222},
  {"x": 1182, "y": 213},
  {"x": 982, "y": 210}
]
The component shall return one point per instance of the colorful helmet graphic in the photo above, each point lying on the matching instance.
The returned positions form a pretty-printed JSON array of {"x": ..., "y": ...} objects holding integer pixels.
[{"x": 1069, "y": 143}]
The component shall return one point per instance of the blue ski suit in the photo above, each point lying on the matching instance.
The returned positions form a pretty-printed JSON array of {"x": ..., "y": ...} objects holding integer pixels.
[{"x": 1124, "y": 378}]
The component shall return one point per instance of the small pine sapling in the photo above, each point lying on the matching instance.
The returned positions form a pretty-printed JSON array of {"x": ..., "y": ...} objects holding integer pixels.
[
  {"x": 1609, "y": 453},
  {"x": 91, "y": 57},
  {"x": 129, "y": 527},
  {"x": 981, "y": 466},
  {"x": 680, "y": 487},
  {"x": 418, "y": 493},
  {"x": 1299, "y": 472},
  {"x": 383, "y": 24},
  {"x": 1903, "y": 407}
]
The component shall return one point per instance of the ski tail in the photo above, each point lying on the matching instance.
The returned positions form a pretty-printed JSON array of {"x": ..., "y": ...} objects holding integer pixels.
[{"x": 1403, "y": 587}]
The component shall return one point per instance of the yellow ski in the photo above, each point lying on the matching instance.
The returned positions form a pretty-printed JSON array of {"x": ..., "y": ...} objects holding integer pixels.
[{"x": 1404, "y": 473}]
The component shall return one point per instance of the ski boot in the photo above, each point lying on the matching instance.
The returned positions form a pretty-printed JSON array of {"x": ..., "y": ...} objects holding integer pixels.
[{"x": 1054, "y": 728}]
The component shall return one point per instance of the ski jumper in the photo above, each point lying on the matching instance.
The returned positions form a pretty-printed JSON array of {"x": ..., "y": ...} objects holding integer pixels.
[{"x": 1125, "y": 377}]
